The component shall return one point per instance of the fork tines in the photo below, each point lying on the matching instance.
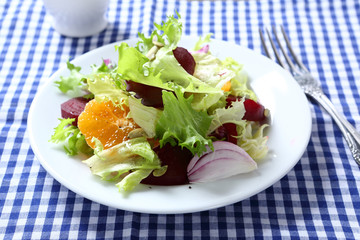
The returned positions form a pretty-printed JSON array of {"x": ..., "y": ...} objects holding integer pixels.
[
  {"x": 291, "y": 63},
  {"x": 312, "y": 88}
]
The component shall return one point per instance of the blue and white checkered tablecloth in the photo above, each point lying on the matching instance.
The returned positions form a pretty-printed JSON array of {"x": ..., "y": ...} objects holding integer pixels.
[{"x": 319, "y": 198}]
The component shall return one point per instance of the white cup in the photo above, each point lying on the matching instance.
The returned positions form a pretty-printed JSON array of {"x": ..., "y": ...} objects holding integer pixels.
[{"x": 77, "y": 18}]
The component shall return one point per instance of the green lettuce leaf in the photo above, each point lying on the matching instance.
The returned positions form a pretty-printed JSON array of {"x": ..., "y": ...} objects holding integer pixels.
[
  {"x": 206, "y": 101},
  {"x": 132, "y": 66},
  {"x": 233, "y": 114},
  {"x": 169, "y": 69},
  {"x": 103, "y": 68},
  {"x": 107, "y": 87},
  {"x": 126, "y": 163},
  {"x": 145, "y": 117},
  {"x": 168, "y": 33},
  {"x": 211, "y": 70},
  {"x": 98, "y": 146},
  {"x": 239, "y": 84},
  {"x": 132, "y": 179},
  {"x": 180, "y": 124},
  {"x": 239, "y": 87},
  {"x": 74, "y": 82},
  {"x": 253, "y": 139},
  {"x": 216, "y": 73},
  {"x": 73, "y": 139},
  {"x": 199, "y": 44}
]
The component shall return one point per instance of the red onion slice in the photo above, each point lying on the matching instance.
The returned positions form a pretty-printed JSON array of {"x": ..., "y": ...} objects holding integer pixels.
[{"x": 226, "y": 160}]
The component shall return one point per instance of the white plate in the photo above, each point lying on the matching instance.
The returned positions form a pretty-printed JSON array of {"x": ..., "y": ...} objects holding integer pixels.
[{"x": 288, "y": 138}]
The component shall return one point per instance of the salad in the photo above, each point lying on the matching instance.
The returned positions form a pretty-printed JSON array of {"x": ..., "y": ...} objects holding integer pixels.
[{"x": 162, "y": 114}]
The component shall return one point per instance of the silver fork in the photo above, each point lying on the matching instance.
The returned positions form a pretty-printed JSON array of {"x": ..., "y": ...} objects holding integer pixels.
[{"x": 312, "y": 88}]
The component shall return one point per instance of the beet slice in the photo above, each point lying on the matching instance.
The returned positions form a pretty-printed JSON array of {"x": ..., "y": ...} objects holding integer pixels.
[
  {"x": 226, "y": 132},
  {"x": 149, "y": 95},
  {"x": 73, "y": 108},
  {"x": 177, "y": 160},
  {"x": 254, "y": 110},
  {"x": 185, "y": 59}
]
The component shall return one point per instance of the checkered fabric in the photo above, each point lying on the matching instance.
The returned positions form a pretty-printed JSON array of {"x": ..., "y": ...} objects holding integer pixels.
[{"x": 317, "y": 199}]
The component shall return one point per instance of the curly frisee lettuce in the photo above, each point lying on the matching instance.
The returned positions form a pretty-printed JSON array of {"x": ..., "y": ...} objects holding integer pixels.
[
  {"x": 73, "y": 140},
  {"x": 180, "y": 124},
  {"x": 126, "y": 163}
]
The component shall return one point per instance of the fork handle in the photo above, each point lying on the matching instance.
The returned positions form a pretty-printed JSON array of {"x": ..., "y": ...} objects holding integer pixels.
[{"x": 351, "y": 135}]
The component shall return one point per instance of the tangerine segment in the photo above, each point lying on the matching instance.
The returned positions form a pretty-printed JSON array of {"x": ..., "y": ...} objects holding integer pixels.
[{"x": 106, "y": 122}]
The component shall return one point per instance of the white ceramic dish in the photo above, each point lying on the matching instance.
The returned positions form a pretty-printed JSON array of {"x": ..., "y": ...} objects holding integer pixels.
[{"x": 288, "y": 138}]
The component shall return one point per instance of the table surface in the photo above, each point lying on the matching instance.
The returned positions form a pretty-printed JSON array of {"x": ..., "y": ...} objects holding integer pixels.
[{"x": 318, "y": 198}]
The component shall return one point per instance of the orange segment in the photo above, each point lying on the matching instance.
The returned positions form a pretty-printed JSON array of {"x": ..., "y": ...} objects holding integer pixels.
[
  {"x": 227, "y": 86},
  {"x": 106, "y": 122}
]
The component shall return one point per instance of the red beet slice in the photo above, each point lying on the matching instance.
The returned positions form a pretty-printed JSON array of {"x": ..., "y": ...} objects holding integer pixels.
[
  {"x": 177, "y": 160},
  {"x": 254, "y": 110},
  {"x": 149, "y": 95},
  {"x": 73, "y": 108},
  {"x": 185, "y": 59},
  {"x": 226, "y": 132}
]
